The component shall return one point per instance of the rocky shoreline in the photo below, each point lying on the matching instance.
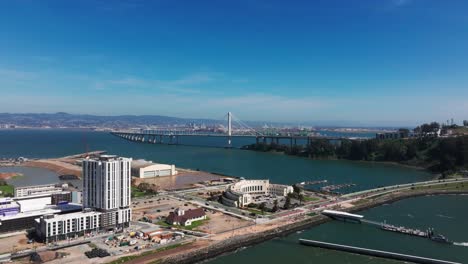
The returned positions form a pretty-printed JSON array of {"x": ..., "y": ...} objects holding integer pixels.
[{"x": 235, "y": 243}]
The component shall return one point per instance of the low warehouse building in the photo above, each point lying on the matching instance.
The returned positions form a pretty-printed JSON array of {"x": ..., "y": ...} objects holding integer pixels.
[{"x": 147, "y": 169}]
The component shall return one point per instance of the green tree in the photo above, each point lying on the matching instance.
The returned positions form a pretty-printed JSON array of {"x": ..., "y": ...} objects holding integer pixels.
[
  {"x": 296, "y": 189},
  {"x": 287, "y": 203},
  {"x": 275, "y": 206},
  {"x": 300, "y": 197},
  {"x": 262, "y": 207},
  {"x": 148, "y": 188},
  {"x": 404, "y": 132}
]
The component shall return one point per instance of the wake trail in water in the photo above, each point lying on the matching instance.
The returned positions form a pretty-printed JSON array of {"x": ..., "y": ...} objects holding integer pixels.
[
  {"x": 462, "y": 244},
  {"x": 444, "y": 216}
]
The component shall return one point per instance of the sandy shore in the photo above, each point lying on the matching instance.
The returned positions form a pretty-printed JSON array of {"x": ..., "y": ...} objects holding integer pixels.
[
  {"x": 56, "y": 165},
  {"x": 9, "y": 175}
]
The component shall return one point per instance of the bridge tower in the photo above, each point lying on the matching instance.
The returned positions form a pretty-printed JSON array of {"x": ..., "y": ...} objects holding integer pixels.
[{"x": 229, "y": 115}]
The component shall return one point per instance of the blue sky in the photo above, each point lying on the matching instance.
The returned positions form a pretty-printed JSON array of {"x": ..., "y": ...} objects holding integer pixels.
[{"x": 375, "y": 62}]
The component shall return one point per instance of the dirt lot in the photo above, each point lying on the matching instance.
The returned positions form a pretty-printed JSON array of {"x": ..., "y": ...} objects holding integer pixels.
[
  {"x": 220, "y": 222},
  {"x": 8, "y": 175},
  {"x": 164, "y": 205},
  {"x": 183, "y": 180},
  {"x": 76, "y": 255},
  {"x": 17, "y": 242}
]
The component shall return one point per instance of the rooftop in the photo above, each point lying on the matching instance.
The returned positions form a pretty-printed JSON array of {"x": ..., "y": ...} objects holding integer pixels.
[
  {"x": 189, "y": 214},
  {"x": 107, "y": 158},
  {"x": 48, "y": 210},
  {"x": 141, "y": 163}
]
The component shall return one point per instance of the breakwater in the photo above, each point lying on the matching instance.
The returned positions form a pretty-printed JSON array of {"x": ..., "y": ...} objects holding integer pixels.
[{"x": 372, "y": 252}]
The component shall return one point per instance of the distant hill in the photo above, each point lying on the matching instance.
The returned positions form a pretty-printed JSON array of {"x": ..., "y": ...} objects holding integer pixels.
[
  {"x": 61, "y": 119},
  {"x": 66, "y": 120}
]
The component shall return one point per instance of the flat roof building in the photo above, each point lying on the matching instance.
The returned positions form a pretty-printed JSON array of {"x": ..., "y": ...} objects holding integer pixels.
[
  {"x": 17, "y": 220},
  {"x": 56, "y": 227},
  {"x": 39, "y": 189}
]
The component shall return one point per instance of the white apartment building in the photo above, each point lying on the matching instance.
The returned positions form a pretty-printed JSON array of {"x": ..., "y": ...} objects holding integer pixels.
[
  {"x": 57, "y": 227},
  {"x": 106, "y": 182}
]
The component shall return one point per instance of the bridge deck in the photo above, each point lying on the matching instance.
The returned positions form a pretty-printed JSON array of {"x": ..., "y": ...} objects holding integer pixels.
[{"x": 225, "y": 135}]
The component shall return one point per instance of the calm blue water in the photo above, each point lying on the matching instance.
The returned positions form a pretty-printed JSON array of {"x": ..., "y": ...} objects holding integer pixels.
[
  {"x": 447, "y": 214},
  {"x": 234, "y": 162}
]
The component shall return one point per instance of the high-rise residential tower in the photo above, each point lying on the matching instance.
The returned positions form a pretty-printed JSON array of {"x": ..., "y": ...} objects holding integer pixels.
[
  {"x": 106, "y": 201},
  {"x": 107, "y": 188}
]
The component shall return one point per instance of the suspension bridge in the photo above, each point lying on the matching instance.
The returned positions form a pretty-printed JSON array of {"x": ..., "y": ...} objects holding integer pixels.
[{"x": 235, "y": 128}]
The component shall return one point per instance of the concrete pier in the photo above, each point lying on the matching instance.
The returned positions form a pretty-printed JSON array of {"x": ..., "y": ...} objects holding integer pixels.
[{"x": 373, "y": 252}]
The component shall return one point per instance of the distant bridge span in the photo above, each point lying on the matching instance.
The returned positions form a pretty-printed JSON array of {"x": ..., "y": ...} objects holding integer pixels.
[{"x": 171, "y": 137}]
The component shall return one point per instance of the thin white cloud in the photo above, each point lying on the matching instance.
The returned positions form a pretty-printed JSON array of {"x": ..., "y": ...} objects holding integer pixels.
[
  {"x": 180, "y": 85},
  {"x": 12, "y": 74}
]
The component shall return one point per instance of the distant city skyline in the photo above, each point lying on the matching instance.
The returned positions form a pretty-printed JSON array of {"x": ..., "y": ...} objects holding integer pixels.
[{"x": 381, "y": 63}]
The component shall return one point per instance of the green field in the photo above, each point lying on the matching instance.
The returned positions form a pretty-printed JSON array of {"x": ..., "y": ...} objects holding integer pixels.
[
  {"x": 7, "y": 190},
  {"x": 311, "y": 199},
  {"x": 256, "y": 211},
  {"x": 191, "y": 227},
  {"x": 136, "y": 192},
  {"x": 453, "y": 186}
]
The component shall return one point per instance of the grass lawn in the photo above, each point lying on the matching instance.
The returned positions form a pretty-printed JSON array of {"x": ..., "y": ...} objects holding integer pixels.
[
  {"x": 163, "y": 223},
  {"x": 311, "y": 199},
  {"x": 136, "y": 192},
  {"x": 453, "y": 186},
  {"x": 256, "y": 211},
  {"x": 7, "y": 189},
  {"x": 194, "y": 225}
]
